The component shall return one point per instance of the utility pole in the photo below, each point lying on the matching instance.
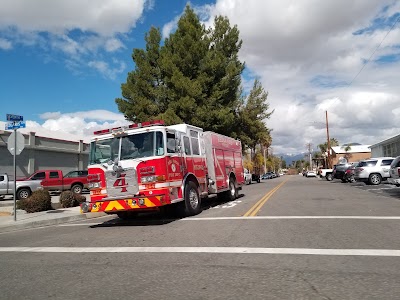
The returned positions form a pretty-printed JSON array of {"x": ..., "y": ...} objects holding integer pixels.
[
  {"x": 309, "y": 154},
  {"x": 329, "y": 141}
]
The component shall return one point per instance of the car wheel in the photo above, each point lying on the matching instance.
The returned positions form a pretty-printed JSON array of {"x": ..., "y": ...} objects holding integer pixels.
[
  {"x": 375, "y": 179},
  {"x": 23, "y": 193},
  {"x": 76, "y": 188},
  {"x": 329, "y": 177}
]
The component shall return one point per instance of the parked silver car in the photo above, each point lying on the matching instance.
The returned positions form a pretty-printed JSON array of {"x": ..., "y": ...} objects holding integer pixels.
[
  {"x": 373, "y": 170},
  {"x": 395, "y": 172}
]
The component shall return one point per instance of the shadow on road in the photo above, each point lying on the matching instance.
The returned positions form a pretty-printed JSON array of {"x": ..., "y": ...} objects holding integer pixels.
[{"x": 161, "y": 218}]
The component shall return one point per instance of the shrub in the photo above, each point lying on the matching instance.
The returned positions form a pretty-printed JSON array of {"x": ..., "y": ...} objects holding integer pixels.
[
  {"x": 70, "y": 199},
  {"x": 21, "y": 204},
  {"x": 38, "y": 201}
]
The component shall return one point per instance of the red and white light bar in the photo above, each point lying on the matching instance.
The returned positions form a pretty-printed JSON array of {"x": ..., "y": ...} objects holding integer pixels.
[{"x": 135, "y": 125}]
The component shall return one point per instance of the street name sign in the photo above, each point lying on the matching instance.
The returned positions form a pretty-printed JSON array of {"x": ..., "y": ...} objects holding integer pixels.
[
  {"x": 15, "y": 125},
  {"x": 13, "y": 118}
]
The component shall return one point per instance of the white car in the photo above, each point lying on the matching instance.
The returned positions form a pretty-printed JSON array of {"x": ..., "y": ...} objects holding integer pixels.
[{"x": 311, "y": 174}]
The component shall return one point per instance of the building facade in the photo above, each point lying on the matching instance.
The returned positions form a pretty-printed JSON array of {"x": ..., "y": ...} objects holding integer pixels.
[
  {"x": 351, "y": 154},
  {"x": 387, "y": 148},
  {"x": 41, "y": 152}
]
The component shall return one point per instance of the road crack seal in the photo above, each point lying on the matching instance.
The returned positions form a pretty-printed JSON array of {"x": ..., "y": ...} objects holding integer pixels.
[{"x": 313, "y": 288}]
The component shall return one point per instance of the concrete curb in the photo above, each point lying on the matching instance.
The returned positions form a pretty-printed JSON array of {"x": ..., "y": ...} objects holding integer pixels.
[{"x": 48, "y": 222}]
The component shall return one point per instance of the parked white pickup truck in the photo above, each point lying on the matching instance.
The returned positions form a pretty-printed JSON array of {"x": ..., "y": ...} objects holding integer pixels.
[
  {"x": 24, "y": 187},
  {"x": 327, "y": 173}
]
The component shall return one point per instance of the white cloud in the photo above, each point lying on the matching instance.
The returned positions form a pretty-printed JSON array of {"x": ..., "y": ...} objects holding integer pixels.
[
  {"x": 113, "y": 45},
  {"x": 169, "y": 27},
  {"x": 5, "y": 44},
  {"x": 80, "y": 124},
  {"x": 106, "y": 70},
  {"x": 306, "y": 53},
  {"x": 81, "y": 30},
  {"x": 105, "y": 17}
]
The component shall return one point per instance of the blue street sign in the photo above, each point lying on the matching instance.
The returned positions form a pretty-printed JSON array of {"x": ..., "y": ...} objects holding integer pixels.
[
  {"x": 15, "y": 125},
  {"x": 14, "y": 118}
]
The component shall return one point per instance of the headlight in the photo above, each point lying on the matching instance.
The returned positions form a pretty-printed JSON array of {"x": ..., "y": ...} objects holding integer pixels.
[
  {"x": 147, "y": 179},
  {"x": 94, "y": 185}
]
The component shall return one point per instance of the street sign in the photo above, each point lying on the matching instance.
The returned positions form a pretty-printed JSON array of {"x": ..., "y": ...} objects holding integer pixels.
[
  {"x": 20, "y": 143},
  {"x": 11, "y": 117},
  {"x": 15, "y": 125}
]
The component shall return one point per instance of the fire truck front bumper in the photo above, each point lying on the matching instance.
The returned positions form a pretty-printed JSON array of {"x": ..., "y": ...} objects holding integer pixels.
[{"x": 111, "y": 206}]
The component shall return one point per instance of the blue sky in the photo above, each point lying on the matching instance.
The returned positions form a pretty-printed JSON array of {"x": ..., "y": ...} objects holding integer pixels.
[{"x": 62, "y": 62}]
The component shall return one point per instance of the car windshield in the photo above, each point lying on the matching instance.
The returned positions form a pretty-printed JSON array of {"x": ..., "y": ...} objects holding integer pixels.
[{"x": 133, "y": 146}]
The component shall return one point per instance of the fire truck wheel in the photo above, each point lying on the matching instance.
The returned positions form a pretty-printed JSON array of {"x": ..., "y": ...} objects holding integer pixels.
[
  {"x": 192, "y": 203},
  {"x": 232, "y": 193}
]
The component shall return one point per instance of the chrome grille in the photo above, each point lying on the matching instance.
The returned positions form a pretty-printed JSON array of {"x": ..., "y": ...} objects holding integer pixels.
[{"x": 123, "y": 183}]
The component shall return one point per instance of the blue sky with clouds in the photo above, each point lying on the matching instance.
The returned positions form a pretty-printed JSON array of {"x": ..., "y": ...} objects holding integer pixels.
[{"x": 62, "y": 62}]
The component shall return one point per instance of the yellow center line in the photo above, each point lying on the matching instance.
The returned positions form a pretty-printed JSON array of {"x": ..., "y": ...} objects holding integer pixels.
[{"x": 255, "y": 208}]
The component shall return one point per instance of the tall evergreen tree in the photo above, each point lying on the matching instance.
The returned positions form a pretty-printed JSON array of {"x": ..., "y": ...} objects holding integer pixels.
[
  {"x": 195, "y": 77},
  {"x": 144, "y": 91},
  {"x": 253, "y": 113}
]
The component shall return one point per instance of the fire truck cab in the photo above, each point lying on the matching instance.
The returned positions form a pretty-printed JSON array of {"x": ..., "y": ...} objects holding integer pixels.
[{"x": 148, "y": 166}]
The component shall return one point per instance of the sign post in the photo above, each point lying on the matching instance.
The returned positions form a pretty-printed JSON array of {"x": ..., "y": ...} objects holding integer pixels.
[{"x": 15, "y": 145}]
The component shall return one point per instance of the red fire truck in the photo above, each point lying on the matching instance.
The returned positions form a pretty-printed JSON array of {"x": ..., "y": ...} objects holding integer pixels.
[{"x": 149, "y": 166}]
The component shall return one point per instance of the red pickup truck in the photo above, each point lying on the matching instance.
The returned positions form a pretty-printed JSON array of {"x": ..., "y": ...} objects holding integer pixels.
[{"x": 54, "y": 180}]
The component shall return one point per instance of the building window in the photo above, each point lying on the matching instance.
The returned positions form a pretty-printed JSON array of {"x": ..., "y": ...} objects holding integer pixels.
[{"x": 389, "y": 150}]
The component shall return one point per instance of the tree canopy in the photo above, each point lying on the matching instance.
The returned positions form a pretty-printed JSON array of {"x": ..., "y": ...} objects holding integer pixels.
[{"x": 194, "y": 77}]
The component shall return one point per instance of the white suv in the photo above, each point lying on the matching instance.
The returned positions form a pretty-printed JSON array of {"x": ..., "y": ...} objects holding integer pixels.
[
  {"x": 395, "y": 172},
  {"x": 373, "y": 170}
]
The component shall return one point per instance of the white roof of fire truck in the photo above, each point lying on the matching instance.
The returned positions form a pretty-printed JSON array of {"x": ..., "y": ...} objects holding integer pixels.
[{"x": 141, "y": 127}]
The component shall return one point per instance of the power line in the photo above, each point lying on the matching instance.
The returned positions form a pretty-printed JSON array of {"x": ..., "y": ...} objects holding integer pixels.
[{"x": 368, "y": 60}]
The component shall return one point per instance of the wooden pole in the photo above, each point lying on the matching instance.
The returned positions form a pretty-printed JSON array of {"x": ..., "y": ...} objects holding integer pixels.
[{"x": 329, "y": 142}]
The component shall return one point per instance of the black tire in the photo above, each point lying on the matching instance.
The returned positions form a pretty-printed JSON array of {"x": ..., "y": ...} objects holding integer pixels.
[
  {"x": 344, "y": 180},
  {"x": 351, "y": 179},
  {"x": 191, "y": 204},
  {"x": 23, "y": 193},
  {"x": 126, "y": 215},
  {"x": 329, "y": 177},
  {"x": 258, "y": 180},
  {"x": 375, "y": 179},
  {"x": 232, "y": 193},
  {"x": 77, "y": 188}
]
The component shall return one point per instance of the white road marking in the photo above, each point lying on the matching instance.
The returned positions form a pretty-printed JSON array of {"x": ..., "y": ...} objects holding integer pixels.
[
  {"x": 228, "y": 205},
  {"x": 261, "y": 218},
  {"x": 295, "y": 217},
  {"x": 221, "y": 250}
]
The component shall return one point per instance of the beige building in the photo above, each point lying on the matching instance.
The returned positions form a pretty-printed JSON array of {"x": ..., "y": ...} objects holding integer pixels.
[{"x": 353, "y": 154}]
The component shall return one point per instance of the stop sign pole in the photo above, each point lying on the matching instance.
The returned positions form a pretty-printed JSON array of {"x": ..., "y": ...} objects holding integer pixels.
[{"x": 15, "y": 122}]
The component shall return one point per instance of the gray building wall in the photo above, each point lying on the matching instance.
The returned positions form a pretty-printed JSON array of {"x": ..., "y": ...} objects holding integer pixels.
[
  {"x": 389, "y": 147},
  {"x": 43, "y": 153}
]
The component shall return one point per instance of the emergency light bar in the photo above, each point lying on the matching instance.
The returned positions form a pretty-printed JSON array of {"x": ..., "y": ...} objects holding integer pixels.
[{"x": 135, "y": 125}]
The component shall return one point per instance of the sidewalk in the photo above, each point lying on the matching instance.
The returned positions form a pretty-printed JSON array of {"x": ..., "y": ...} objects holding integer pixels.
[{"x": 45, "y": 218}]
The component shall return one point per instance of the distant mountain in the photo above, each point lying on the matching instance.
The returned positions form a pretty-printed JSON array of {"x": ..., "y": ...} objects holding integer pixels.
[{"x": 289, "y": 158}]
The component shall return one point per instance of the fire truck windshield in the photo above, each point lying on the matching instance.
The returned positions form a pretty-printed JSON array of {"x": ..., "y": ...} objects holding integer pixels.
[{"x": 133, "y": 146}]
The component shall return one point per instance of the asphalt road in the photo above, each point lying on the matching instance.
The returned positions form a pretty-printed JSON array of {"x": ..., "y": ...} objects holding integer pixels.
[{"x": 307, "y": 238}]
